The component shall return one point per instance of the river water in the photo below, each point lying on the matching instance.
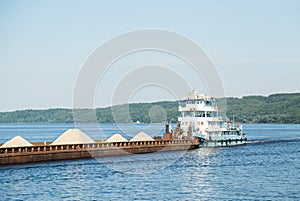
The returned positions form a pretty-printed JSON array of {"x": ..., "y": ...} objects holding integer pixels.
[{"x": 266, "y": 169}]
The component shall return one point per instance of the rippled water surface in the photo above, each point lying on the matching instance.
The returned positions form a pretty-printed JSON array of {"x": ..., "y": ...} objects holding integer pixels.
[{"x": 266, "y": 169}]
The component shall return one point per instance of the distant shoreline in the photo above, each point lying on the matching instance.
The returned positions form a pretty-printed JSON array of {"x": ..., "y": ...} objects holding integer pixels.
[{"x": 275, "y": 109}]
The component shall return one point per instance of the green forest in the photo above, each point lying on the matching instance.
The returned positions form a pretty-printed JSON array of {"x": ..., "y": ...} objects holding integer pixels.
[{"x": 275, "y": 108}]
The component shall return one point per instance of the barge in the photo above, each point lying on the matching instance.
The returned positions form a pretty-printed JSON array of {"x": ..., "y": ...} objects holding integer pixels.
[{"x": 45, "y": 151}]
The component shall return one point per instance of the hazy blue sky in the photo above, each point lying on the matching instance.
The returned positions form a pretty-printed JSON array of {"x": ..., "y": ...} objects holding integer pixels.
[{"x": 255, "y": 44}]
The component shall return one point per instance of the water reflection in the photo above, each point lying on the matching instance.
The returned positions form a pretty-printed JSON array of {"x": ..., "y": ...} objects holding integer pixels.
[{"x": 196, "y": 179}]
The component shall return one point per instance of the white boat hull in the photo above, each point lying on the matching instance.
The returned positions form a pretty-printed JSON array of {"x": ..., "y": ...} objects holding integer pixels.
[{"x": 223, "y": 141}]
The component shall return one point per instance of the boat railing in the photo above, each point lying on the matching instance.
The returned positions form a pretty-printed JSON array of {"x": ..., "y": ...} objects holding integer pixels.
[
  {"x": 195, "y": 107},
  {"x": 90, "y": 146}
]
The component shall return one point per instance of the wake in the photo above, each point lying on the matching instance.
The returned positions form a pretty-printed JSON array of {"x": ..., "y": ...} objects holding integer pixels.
[{"x": 254, "y": 142}]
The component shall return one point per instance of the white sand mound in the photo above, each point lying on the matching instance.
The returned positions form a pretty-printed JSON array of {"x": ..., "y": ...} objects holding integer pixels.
[
  {"x": 73, "y": 136},
  {"x": 117, "y": 138},
  {"x": 17, "y": 141},
  {"x": 141, "y": 136}
]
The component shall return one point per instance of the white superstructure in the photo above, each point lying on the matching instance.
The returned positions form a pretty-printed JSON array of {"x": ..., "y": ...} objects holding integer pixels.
[{"x": 199, "y": 118}]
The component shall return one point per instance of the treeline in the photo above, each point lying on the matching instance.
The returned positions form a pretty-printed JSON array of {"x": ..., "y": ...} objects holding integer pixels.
[{"x": 276, "y": 108}]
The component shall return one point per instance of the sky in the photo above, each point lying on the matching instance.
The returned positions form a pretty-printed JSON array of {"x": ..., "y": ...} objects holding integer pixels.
[{"x": 254, "y": 44}]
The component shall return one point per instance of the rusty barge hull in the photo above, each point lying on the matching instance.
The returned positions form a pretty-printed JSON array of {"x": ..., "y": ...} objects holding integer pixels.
[{"x": 46, "y": 153}]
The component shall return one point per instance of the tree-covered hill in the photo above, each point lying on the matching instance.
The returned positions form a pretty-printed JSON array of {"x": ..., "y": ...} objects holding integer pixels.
[{"x": 276, "y": 108}]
